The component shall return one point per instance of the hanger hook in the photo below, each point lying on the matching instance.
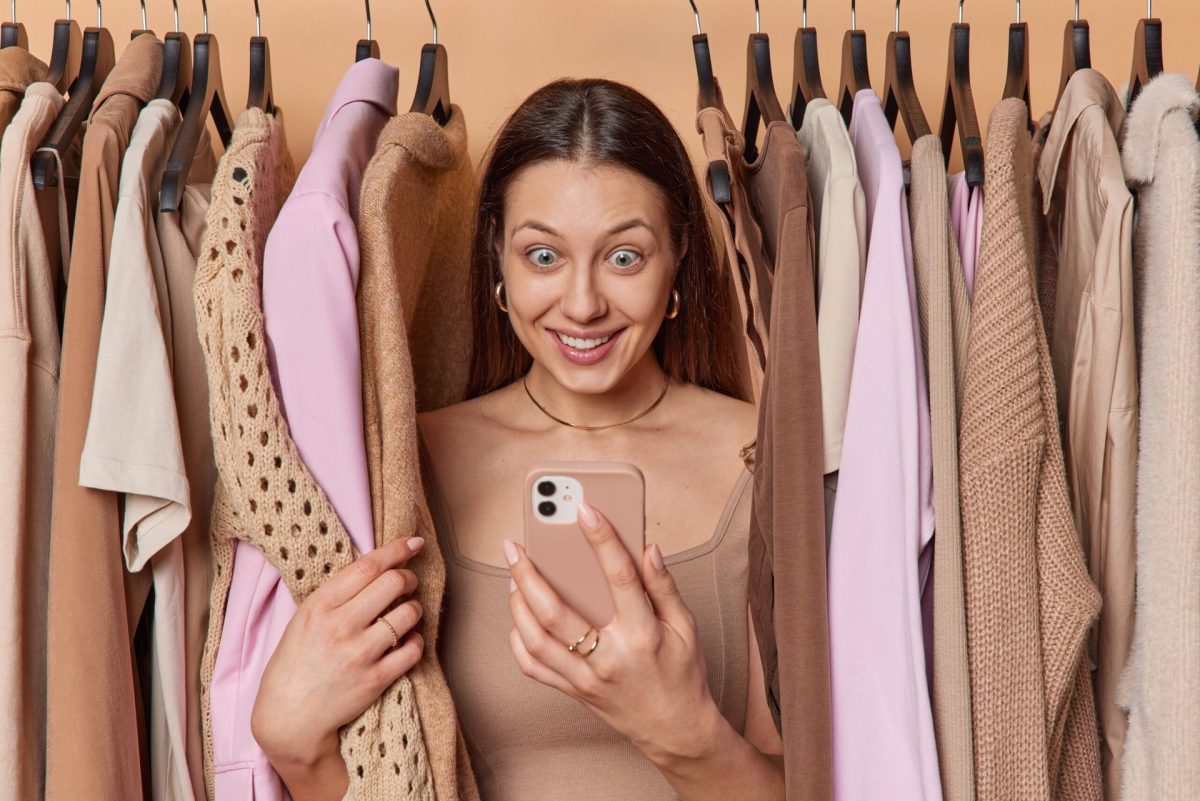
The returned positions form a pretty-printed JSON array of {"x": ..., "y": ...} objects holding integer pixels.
[
  {"x": 696, "y": 14},
  {"x": 853, "y": 16},
  {"x": 897, "y": 16},
  {"x": 143, "y": 14},
  {"x": 368, "y": 5},
  {"x": 257, "y": 20},
  {"x": 68, "y": 9},
  {"x": 1077, "y": 10},
  {"x": 14, "y": 10},
  {"x": 804, "y": 14},
  {"x": 757, "y": 18},
  {"x": 1018, "y": 12},
  {"x": 960, "y": 11},
  {"x": 99, "y": 14},
  {"x": 175, "y": 11},
  {"x": 432, "y": 19},
  {"x": 1149, "y": 9},
  {"x": 204, "y": 13}
]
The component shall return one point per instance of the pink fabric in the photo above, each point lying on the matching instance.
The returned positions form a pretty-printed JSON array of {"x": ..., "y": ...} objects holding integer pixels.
[
  {"x": 966, "y": 218},
  {"x": 883, "y": 742},
  {"x": 310, "y": 278}
]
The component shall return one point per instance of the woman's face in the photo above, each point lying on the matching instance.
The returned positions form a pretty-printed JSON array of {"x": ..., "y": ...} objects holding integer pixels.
[{"x": 588, "y": 268}]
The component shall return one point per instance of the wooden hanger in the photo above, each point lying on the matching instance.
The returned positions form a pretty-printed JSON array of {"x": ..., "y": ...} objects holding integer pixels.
[
  {"x": 177, "y": 65},
  {"x": 900, "y": 91},
  {"x": 1016, "y": 81},
  {"x": 1147, "y": 53},
  {"x": 65, "y": 52},
  {"x": 433, "y": 79},
  {"x": 98, "y": 58},
  {"x": 207, "y": 100},
  {"x": 855, "y": 75},
  {"x": 260, "y": 95},
  {"x": 1077, "y": 50},
  {"x": 12, "y": 34},
  {"x": 139, "y": 31},
  {"x": 366, "y": 48},
  {"x": 762, "y": 104},
  {"x": 710, "y": 97},
  {"x": 958, "y": 106},
  {"x": 806, "y": 70}
]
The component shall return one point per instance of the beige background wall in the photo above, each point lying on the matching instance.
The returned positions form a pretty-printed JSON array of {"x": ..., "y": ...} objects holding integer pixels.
[{"x": 501, "y": 50}]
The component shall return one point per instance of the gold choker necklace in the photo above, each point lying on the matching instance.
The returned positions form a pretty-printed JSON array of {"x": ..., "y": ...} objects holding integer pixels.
[{"x": 559, "y": 420}]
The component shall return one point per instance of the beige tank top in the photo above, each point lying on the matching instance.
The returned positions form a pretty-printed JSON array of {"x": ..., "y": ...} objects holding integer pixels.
[{"x": 528, "y": 741}]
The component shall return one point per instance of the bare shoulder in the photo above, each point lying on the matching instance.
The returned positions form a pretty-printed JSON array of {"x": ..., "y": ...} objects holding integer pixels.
[
  {"x": 467, "y": 430},
  {"x": 718, "y": 414}
]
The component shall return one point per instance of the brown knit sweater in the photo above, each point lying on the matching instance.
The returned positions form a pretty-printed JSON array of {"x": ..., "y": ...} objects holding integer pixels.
[
  {"x": 1029, "y": 599},
  {"x": 414, "y": 233},
  {"x": 264, "y": 493}
]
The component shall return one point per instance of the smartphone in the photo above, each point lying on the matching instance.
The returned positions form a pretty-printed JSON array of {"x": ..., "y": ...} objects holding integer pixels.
[{"x": 555, "y": 542}]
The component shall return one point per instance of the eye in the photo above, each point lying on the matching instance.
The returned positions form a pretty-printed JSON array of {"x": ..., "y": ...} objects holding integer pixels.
[
  {"x": 625, "y": 258},
  {"x": 542, "y": 257}
]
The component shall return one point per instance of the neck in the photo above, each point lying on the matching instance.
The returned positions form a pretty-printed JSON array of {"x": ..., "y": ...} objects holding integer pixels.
[{"x": 640, "y": 387}]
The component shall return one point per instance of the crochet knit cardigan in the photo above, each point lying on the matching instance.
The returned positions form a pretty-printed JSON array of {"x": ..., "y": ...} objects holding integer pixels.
[
  {"x": 1029, "y": 599},
  {"x": 264, "y": 493}
]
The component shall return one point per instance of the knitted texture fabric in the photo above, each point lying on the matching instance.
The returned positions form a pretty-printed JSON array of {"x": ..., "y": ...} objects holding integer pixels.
[
  {"x": 264, "y": 493},
  {"x": 1029, "y": 599},
  {"x": 945, "y": 321},
  {"x": 1160, "y": 687},
  {"x": 414, "y": 233}
]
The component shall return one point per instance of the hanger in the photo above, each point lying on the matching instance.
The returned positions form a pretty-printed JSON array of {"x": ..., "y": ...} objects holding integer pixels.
[
  {"x": 1147, "y": 53},
  {"x": 762, "y": 104},
  {"x": 207, "y": 99},
  {"x": 177, "y": 64},
  {"x": 855, "y": 75},
  {"x": 366, "y": 48},
  {"x": 1016, "y": 82},
  {"x": 710, "y": 97},
  {"x": 139, "y": 31},
  {"x": 260, "y": 95},
  {"x": 900, "y": 92},
  {"x": 806, "y": 69},
  {"x": 65, "y": 52},
  {"x": 99, "y": 55},
  {"x": 1077, "y": 50},
  {"x": 12, "y": 34},
  {"x": 433, "y": 81},
  {"x": 958, "y": 107}
]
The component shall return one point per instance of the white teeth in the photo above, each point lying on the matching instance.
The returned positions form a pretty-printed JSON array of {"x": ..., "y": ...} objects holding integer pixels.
[{"x": 581, "y": 344}]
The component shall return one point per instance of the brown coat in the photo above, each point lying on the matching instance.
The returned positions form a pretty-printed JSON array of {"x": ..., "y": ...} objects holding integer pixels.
[
  {"x": 414, "y": 243},
  {"x": 1029, "y": 600}
]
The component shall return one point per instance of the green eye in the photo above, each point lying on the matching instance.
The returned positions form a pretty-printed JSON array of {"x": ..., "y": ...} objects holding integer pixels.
[
  {"x": 543, "y": 257},
  {"x": 625, "y": 258}
]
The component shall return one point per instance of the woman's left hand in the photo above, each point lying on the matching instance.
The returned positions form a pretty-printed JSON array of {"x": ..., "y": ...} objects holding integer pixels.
[{"x": 646, "y": 677}]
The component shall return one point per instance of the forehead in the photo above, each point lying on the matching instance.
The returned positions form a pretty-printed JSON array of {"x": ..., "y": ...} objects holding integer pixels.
[{"x": 569, "y": 194}]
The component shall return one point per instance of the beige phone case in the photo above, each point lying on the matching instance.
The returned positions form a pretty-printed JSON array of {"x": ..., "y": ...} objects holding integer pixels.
[{"x": 560, "y": 550}]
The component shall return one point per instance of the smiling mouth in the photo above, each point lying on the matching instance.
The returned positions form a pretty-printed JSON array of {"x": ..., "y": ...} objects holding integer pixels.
[{"x": 582, "y": 344}]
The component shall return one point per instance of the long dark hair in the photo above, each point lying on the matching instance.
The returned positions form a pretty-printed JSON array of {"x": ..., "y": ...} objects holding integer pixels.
[{"x": 604, "y": 122}]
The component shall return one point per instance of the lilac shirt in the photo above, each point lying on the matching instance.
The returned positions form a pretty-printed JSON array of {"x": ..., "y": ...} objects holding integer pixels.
[
  {"x": 883, "y": 743},
  {"x": 310, "y": 279},
  {"x": 966, "y": 217}
]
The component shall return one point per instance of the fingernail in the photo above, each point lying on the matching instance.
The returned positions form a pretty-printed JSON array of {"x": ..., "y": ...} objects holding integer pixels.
[
  {"x": 587, "y": 516},
  {"x": 656, "y": 558},
  {"x": 512, "y": 585},
  {"x": 510, "y": 552},
  {"x": 415, "y": 543}
]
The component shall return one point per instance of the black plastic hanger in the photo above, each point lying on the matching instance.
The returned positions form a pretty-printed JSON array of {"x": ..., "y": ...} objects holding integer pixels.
[
  {"x": 1016, "y": 81},
  {"x": 1077, "y": 50},
  {"x": 710, "y": 97},
  {"x": 98, "y": 58},
  {"x": 900, "y": 91},
  {"x": 65, "y": 52},
  {"x": 366, "y": 48},
  {"x": 207, "y": 99},
  {"x": 12, "y": 34},
  {"x": 139, "y": 31},
  {"x": 762, "y": 104},
  {"x": 855, "y": 75},
  {"x": 1147, "y": 53},
  {"x": 433, "y": 80},
  {"x": 806, "y": 70},
  {"x": 260, "y": 95},
  {"x": 958, "y": 107},
  {"x": 177, "y": 65}
]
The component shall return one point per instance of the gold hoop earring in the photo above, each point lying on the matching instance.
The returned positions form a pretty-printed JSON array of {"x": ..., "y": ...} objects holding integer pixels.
[
  {"x": 676, "y": 304},
  {"x": 500, "y": 304}
]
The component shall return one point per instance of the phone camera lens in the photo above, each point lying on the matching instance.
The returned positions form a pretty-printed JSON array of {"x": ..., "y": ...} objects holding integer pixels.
[
  {"x": 547, "y": 508},
  {"x": 546, "y": 488}
]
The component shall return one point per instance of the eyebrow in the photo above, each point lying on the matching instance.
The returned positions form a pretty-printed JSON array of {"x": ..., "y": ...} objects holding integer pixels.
[{"x": 636, "y": 222}]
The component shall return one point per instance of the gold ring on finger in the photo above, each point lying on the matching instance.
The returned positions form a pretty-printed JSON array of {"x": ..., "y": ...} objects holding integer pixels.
[
  {"x": 575, "y": 649},
  {"x": 391, "y": 629}
]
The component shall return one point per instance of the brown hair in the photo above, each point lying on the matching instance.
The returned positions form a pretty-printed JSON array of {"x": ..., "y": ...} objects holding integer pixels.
[{"x": 604, "y": 122}]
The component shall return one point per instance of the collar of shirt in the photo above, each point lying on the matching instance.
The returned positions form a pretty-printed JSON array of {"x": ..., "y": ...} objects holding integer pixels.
[
  {"x": 1086, "y": 89},
  {"x": 18, "y": 69},
  {"x": 1173, "y": 93},
  {"x": 368, "y": 81},
  {"x": 137, "y": 73}
]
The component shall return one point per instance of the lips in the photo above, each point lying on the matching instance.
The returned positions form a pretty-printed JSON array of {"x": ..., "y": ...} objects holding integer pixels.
[{"x": 585, "y": 351}]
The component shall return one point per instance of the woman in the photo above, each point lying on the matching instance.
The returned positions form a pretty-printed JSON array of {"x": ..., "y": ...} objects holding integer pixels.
[{"x": 602, "y": 331}]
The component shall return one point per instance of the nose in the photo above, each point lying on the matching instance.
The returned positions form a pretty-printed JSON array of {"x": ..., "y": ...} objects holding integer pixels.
[{"x": 581, "y": 299}]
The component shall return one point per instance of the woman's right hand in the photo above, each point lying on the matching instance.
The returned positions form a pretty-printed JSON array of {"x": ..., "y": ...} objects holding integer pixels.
[{"x": 335, "y": 659}]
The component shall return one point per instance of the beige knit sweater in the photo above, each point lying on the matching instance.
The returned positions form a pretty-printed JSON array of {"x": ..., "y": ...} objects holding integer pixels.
[
  {"x": 414, "y": 232},
  {"x": 1029, "y": 599},
  {"x": 264, "y": 493}
]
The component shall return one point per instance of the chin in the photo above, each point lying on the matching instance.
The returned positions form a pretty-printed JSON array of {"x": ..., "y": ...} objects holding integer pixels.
[{"x": 585, "y": 380}]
